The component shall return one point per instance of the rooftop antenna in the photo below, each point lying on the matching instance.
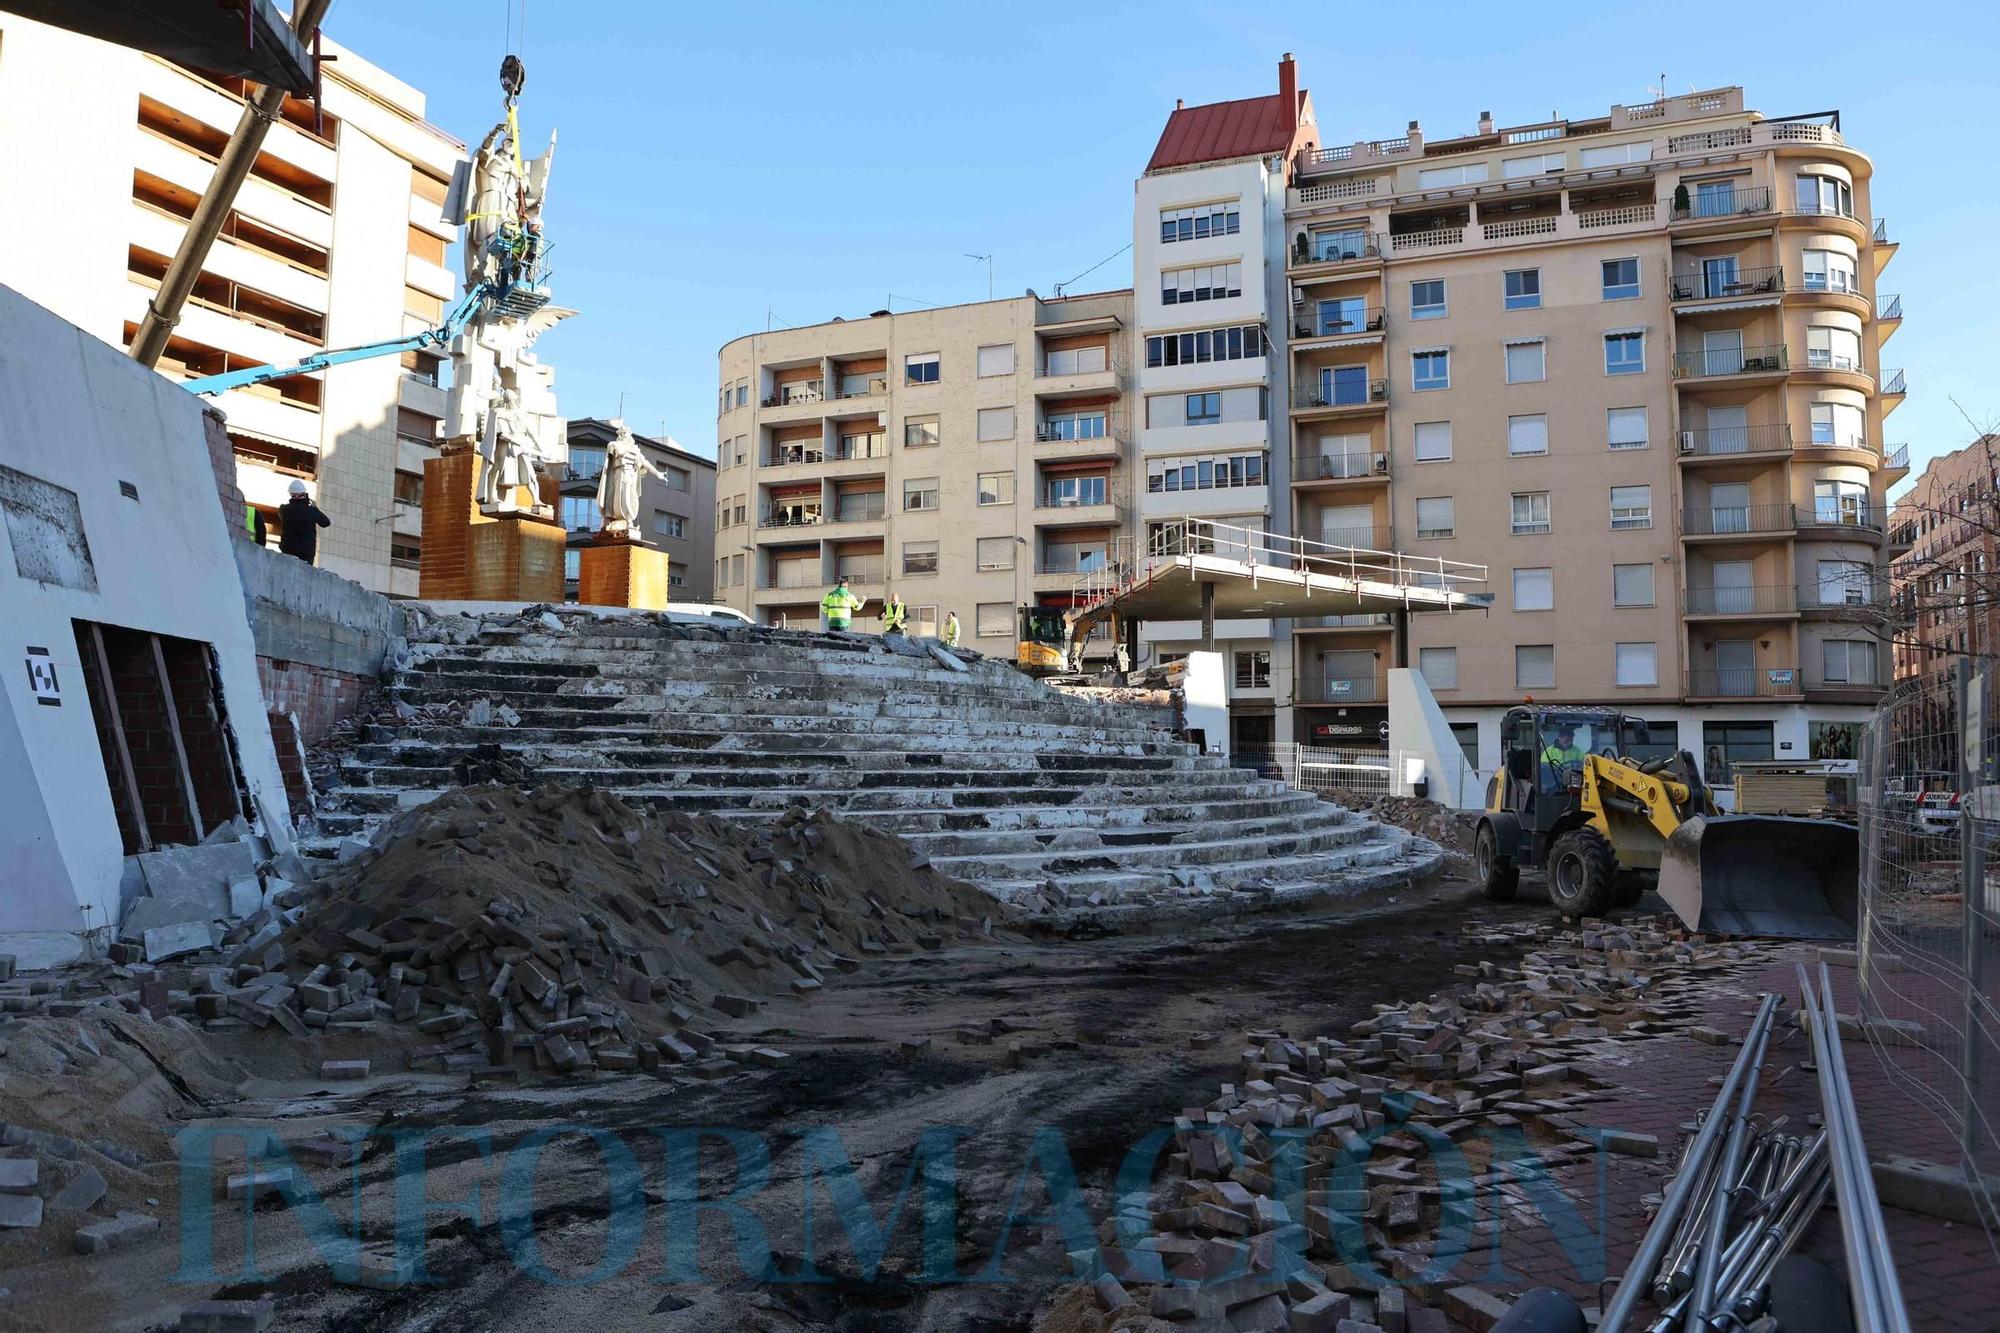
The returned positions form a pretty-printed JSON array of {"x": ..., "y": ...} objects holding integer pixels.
[{"x": 988, "y": 261}]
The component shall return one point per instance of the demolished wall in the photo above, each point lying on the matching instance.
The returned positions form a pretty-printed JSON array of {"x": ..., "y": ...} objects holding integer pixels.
[
  {"x": 110, "y": 519},
  {"x": 321, "y": 639}
]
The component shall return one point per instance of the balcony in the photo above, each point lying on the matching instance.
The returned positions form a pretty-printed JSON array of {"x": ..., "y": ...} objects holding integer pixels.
[
  {"x": 790, "y": 518},
  {"x": 794, "y": 455},
  {"x": 1359, "y": 624},
  {"x": 1861, "y": 520},
  {"x": 1312, "y": 466},
  {"x": 1738, "y": 520},
  {"x": 873, "y": 386},
  {"x": 1720, "y": 205},
  {"x": 1342, "y": 321},
  {"x": 797, "y": 395},
  {"x": 1822, "y": 688},
  {"x": 1106, "y": 509},
  {"x": 1847, "y": 601},
  {"x": 1077, "y": 370},
  {"x": 1358, "y": 538},
  {"x": 1716, "y": 285},
  {"x": 1897, "y": 461},
  {"x": 1080, "y": 436},
  {"x": 1734, "y": 443},
  {"x": 784, "y": 578},
  {"x": 1310, "y": 689},
  {"x": 1341, "y": 395},
  {"x": 863, "y": 574},
  {"x": 849, "y": 448},
  {"x": 867, "y": 508},
  {"x": 1777, "y": 599},
  {"x": 1893, "y": 384},
  {"x": 1731, "y": 362},
  {"x": 1744, "y": 683},
  {"x": 1328, "y": 250}
]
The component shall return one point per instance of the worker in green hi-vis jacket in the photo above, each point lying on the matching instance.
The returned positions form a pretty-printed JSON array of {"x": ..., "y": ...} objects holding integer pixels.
[{"x": 840, "y": 606}]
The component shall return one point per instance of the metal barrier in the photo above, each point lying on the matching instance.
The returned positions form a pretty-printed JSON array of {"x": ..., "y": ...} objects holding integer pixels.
[
  {"x": 1930, "y": 915},
  {"x": 1365, "y": 770}
]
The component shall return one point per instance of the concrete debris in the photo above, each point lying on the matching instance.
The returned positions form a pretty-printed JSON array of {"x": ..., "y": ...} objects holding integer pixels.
[
  {"x": 164, "y": 942},
  {"x": 185, "y": 884}
]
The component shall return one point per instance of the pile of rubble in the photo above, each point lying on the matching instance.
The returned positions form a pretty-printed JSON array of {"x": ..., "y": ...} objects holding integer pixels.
[
  {"x": 1311, "y": 1191},
  {"x": 1450, "y": 829}
]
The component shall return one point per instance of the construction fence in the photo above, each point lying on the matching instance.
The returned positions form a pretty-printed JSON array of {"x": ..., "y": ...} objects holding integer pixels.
[
  {"x": 1366, "y": 770},
  {"x": 1929, "y": 807}
]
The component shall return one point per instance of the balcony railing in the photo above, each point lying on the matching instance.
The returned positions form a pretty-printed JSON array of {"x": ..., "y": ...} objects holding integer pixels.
[
  {"x": 1704, "y": 362},
  {"x": 806, "y": 391},
  {"x": 1375, "y": 620},
  {"x": 1338, "y": 247},
  {"x": 860, "y": 509},
  {"x": 1765, "y": 599},
  {"x": 1337, "y": 690},
  {"x": 1720, "y": 441},
  {"x": 792, "y": 579},
  {"x": 1315, "y": 465},
  {"x": 870, "y": 573},
  {"x": 1898, "y": 460},
  {"x": 1741, "y": 201},
  {"x": 1088, "y": 499},
  {"x": 1882, "y": 232},
  {"x": 1818, "y": 681},
  {"x": 1707, "y": 285},
  {"x": 1893, "y": 384},
  {"x": 1728, "y": 520},
  {"x": 1743, "y": 682},
  {"x": 1098, "y": 429},
  {"x": 1073, "y": 565},
  {"x": 787, "y": 455},
  {"x": 1069, "y": 361},
  {"x": 1860, "y": 598},
  {"x": 1836, "y": 516},
  {"x": 850, "y": 447},
  {"x": 1332, "y": 324},
  {"x": 873, "y": 385},
  {"x": 1341, "y": 394},
  {"x": 1888, "y": 305},
  {"x": 809, "y": 518},
  {"x": 1431, "y": 238}
]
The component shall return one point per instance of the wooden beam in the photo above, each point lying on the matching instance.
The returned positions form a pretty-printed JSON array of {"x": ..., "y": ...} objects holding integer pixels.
[
  {"x": 101, "y": 662},
  {"x": 174, "y": 730}
]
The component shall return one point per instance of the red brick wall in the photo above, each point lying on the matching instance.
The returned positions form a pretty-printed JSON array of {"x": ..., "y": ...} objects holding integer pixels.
[{"x": 318, "y": 696}]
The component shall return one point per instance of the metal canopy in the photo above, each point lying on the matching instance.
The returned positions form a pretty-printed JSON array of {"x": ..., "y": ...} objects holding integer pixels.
[{"x": 204, "y": 34}]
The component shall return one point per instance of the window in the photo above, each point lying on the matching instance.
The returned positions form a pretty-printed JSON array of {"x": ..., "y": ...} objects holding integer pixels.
[
  {"x": 1253, "y": 669},
  {"x": 1433, "y": 439},
  {"x": 920, "y": 368},
  {"x": 1839, "y": 423},
  {"x": 1526, "y": 362},
  {"x": 1631, "y": 507},
  {"x": 1430, "y": 369},
  {"x": 1427, "y": 299},
  {"x": 996, "y": 552},
  {"x": 580, "y": 513},
  {"x": 996, "y": 423},
  {"x": 1523, "y": 289},
  {"x": 1534, "y": 666},
  {"x": 920, "y": 493},
  {"x": 1235, "y": 342},
  {"x": 1825, "y": 195},
  {"x": 722, "y": 571},
  {"x": 1846, "y": 583},
  {"x": 1726, "y": 744},
  {"x": 996, "y": 488},
  {"x": 1632, "y": 585},
  {"x": 1534, "y": 590},
  {"x": 736, "y": 570},
  {"x": 1621, "y": 279},
  {"x": 1528, "y": 434},
  {"x": 1192, "y": 224},
  {"x": 1832, "y": 349},
  {"x": 1087, "y": 424},
  {"x": 1624, "y": 353},
  {"x": 920, "y": 558},
  {"x": 1636, "y": 663},
  {"x": 1344, "y": 243},
  {"x": 1204, "y": 409},
  {"x": 997, "y": 359},
  {"x": 1438, "y": 178},
  {"x": 1211, "y": 472},
  {"x": 1075, "y": 555},
  {"x": 409, "y": 488},
  {"x": 1530, "y": 513},
  {"x": 1614, "y": 154},
  {"x": 920, "y": 432},
  {"x": 1625, "y": 427},
  {"x": 1537, "y": 164},
  {"x": 1662, "y": 741},
  {"x": 1092, "y": 360},
  {"x": 990, "y": 620},
  {"x": 1848, "y": 661},
  {"x": 1205, "y": 282},
  {"x": 678, "y": 478},
  {"x": 584, "y": 462},
  {"x": 1439, "y": 667},
  {"x": 1829, "y": 271},
  {"x": 1068, "y": 492},
  {"x": 669, "y": 525},
  {"x": 1436, "y": 517},
  {"x": 924, "y": 622},
  {"x": 1467, "y": 736}
]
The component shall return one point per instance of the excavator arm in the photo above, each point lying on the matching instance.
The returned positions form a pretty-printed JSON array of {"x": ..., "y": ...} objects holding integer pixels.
[{"x": 1612, "y": 785}]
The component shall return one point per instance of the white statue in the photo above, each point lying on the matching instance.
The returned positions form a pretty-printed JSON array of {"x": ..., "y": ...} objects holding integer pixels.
[
  {"x": 618, "y": 483},
  {"x": 503, "y": 225},
  {"x": 513, "y": 457}
]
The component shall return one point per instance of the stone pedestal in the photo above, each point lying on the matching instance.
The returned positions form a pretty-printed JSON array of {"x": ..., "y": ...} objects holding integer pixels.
[
  {"x": 470, "y": 556},
  {"x": 614, "y": 570}
]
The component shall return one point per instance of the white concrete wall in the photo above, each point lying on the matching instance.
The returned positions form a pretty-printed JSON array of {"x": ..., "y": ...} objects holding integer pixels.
[{"x": 80, "y": 415}]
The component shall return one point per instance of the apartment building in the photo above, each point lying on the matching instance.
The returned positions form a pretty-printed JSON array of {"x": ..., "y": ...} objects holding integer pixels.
[
  {"x": 974, "y": 458},
  {"x": 1208, "y": 271},
  {"x": 1633, "y": 364},
  {"x": 336, "y": 238},
  {"x": 677, "y": 514}
]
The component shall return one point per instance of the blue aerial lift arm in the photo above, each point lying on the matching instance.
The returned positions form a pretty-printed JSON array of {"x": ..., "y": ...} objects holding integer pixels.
[{"x": 454, "y": 322}]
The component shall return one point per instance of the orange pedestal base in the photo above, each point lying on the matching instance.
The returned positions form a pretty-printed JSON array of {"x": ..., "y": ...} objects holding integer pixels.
[
  {"x": 614, "y": 572},
  {"x": 474, "y": 557}
]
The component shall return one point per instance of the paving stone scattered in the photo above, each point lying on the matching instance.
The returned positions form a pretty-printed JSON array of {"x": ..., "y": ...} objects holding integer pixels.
[
  {"x": 20, "y": 1211},
  {"x": 253, "y": 1316},
  {"x": 128, "y": 1228}
]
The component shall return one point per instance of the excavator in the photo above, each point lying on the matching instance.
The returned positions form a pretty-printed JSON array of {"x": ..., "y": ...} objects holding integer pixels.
[{"x": 1572, "y": 799}]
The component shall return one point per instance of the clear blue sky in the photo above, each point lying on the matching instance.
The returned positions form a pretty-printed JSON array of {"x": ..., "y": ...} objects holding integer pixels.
[{"x": 814, "y": 159}]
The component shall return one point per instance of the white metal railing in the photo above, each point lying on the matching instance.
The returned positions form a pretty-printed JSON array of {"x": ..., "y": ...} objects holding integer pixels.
[{"x": 1363, "y": 770}]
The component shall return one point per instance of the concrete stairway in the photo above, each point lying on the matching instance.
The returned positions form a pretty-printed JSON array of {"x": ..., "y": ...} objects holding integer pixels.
[{"x": 1061, "y": 805}]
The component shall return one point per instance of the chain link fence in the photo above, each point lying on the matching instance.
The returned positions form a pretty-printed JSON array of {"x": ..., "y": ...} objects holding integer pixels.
[{"x": 1930, "y": 917}]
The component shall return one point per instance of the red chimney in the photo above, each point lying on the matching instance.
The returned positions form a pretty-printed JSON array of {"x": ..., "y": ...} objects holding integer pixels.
[{"x": 1288, "y": 91}]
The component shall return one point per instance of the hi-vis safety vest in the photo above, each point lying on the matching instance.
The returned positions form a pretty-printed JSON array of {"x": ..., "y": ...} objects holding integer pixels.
[
  {"x": 840, "y": 605},
  {"x": 894, "y": 616}
]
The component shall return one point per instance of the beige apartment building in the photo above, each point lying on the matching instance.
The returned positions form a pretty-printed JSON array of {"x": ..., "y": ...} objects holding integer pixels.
[
  {"x": 1633, "y": 364},
  {"x": 972, "y": 458},
  {"x": 337, "y": 238}
]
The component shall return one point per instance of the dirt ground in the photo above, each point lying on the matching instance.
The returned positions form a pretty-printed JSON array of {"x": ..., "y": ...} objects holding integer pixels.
[{"x": 1041, "y": 1057}]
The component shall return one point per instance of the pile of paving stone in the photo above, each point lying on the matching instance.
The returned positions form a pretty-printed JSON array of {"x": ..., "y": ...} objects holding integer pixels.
[{"x": 1363, "y": 1120}]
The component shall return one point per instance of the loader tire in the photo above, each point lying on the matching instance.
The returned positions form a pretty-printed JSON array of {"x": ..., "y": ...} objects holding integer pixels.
[
  {"x": 1632, "y": 886},
  {"x": 1498, "y": 876},
  {"x": 1583, "y": 874}
]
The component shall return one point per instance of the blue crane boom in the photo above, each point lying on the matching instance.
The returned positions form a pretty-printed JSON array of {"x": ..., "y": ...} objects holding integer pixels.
[{"x": 460, "y": 316}]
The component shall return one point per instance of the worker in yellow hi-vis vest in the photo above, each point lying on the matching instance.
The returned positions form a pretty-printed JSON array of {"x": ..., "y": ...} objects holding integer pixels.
[{"x": 840, "y": 606}]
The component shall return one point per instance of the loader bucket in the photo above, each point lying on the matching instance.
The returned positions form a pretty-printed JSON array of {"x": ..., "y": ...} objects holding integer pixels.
[{"x": 1763, "y": 875}]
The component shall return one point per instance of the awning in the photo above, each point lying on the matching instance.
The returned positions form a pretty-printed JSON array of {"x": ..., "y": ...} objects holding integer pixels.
[{"x": 1704, "y": 307}]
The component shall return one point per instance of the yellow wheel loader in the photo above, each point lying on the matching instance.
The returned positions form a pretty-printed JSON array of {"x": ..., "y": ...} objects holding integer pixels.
[{"x": 1571, "y": 798}]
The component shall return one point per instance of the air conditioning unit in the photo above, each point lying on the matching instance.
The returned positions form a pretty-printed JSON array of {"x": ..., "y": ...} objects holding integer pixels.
[{"x": 1687, "y": 441}]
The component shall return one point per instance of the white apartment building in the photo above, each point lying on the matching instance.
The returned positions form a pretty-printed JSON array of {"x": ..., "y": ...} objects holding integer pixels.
[
  {"x": 337, "y": 238},
  {"x": 1210, "y": 287}
]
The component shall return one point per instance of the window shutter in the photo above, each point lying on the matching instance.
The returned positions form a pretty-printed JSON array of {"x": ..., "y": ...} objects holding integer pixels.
[{"x": 1631, "y": 585}]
